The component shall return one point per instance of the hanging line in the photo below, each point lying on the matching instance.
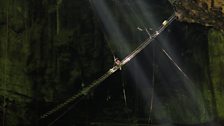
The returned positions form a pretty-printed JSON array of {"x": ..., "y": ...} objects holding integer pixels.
[
  {"x": 170, "y": 58},
  {"x": 153, "y": 73},
  {"x": 149, "y": 40},
  {"x": 107, "y": 40},
  {"x": 175, "y": 64},
  {"x": 153, "y": 81},
  {"x": 124, "y": 90},
  {"x": 110, "y": 47},
  {"x": 153, "y": 87},
  {"x": 95, "y": 83},
  {"x": 116, "y": 60}
]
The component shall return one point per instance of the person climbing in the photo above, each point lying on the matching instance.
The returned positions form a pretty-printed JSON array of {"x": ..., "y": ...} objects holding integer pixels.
[{"x": 117, "y": 62}]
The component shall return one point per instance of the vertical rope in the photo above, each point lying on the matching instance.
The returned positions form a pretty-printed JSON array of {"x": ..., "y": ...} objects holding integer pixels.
[
  {"x": 123, "y": 88},
  {"x": 153, "y": 86}
]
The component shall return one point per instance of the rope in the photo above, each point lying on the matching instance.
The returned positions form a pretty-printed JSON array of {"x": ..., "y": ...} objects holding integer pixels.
[
  {"x": 83, "y": 92},
  {"x": 105, "y": 37},
  {"x": 147, "y": 41},
  {"x": 175, "y": 64},
  {"x": 153, "y": 87},
  {"x": 87, "y": 89},
  {"x": 123, "y": 89},
  {"x": 153, "y": 78}
]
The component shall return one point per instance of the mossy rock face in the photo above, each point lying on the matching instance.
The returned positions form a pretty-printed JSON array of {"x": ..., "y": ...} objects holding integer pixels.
[
  {"x": 15, "y": 85},
  {"x": 208, "y": 55},
  {"x": 14, "y": 53},
  {"x": 205, "y": 12},
  {"x": 40, "y": 68},
  {"x": 216, "y": 60}
]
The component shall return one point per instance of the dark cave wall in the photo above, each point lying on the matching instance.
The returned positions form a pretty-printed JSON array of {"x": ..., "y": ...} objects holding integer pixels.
[
  {"x": 15, "y": 85},
  {"x": 48, "y": 49},
  {"x": 42, "y": 64}
]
